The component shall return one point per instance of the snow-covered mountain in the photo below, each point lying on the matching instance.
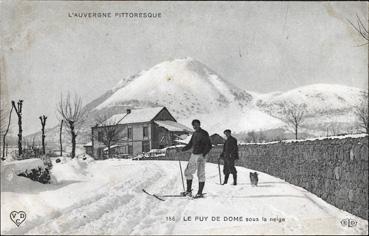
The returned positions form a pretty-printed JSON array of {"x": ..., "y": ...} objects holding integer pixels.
[
  {"x": 329, "y": 107},
  {"x": 190, "y": 90},
  {"x": 320, "y": 99},
  {"x": 185, "y": 86}
]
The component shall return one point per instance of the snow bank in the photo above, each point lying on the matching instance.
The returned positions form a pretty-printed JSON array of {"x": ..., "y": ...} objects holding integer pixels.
[
  {"x": 22, "y": 165},
  {"x": 69, "y": 169},
  {"x": 10, "y": 181},
  {"x": 11, "y": 169},
  {"x": 14, "y": 183}
]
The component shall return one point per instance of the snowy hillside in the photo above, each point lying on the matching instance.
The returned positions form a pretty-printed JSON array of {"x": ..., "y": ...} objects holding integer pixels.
[
  {"x": 320, "y": 99},
  {"x": 328, "y": 106},
  {"x": 185, "y": 86}
]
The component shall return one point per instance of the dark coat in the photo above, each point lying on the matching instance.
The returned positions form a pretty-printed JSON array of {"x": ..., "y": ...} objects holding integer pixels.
[
  {"x": 230, "y": 149},
  {"x": 200, "y": 142}
]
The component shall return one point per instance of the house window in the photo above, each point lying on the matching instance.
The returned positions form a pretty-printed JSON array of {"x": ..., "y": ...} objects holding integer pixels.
[
  {"x": 122, "y": 150},
  {"x": 145, "y": 132},
  {"x": 129, "y": 133},
  {"x": 145, "y": 146},
  {"x": 100, "y": 136},
  {"x": 130, "y": 149}
]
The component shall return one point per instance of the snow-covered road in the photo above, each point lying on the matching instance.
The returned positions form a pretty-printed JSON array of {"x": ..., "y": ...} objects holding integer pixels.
[{"x": 105, "y": 197}]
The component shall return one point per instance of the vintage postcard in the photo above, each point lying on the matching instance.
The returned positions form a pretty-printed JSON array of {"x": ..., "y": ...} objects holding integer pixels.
[{"x": 184, "y": 118}]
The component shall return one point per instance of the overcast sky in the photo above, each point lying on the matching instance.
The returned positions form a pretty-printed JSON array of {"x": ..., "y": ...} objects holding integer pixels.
[{"x": 260, "y": 47}]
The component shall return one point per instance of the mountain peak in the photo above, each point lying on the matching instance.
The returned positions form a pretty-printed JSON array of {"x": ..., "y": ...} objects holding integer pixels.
[{"x": 186, "y": 86}]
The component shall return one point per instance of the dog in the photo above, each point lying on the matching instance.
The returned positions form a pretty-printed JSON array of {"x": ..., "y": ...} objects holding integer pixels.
[{"x": 254, "y": 179}]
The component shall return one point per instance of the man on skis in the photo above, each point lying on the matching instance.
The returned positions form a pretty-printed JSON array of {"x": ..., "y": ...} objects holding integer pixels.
[
  {"x": 229, "y": 155},
  {"x": 201, "y": 145}
]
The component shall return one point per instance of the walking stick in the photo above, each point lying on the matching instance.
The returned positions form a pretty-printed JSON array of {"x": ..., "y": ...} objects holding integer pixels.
[
  {"x": 220, "y": 176},
  {"x": 180, "y": 167}
]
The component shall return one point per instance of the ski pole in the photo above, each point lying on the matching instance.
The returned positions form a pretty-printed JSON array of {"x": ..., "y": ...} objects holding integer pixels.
[
  {"x": 220, "y": 177},
  {"x": 180, "y": 167}
]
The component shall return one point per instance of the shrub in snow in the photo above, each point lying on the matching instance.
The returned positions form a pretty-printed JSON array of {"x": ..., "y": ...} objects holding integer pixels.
[
  {"x": 34, "y": 169},
  {"x": 58, "y": 160},
  {"x": 41, "y": 175}
]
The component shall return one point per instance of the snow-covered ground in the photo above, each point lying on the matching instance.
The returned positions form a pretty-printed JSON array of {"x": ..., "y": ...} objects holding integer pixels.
[{"x": 105, "y": 197}]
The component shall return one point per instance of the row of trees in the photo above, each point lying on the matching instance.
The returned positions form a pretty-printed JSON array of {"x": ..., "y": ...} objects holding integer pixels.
[
  {"x": 17, "y": 107},
  {"x": 72, "y": 116},
  {"x": 70, "y": 111}
]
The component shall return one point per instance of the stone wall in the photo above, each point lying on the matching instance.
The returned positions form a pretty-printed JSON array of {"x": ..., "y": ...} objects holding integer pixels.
[{"x": 336, "y": 170}]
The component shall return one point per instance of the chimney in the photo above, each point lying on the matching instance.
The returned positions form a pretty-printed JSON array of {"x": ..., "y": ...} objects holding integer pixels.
[{"x": 128, "y": 111}]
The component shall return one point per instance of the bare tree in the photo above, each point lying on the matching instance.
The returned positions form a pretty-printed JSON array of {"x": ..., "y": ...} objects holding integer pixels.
[
  {"x": 3, "y": 121},
  {"x": 72, "y": 112},
  {"x": 361, "y": 112},
  {"x": 294, "y": 115},
  {"x": 43, "y": 123},
  {"x": 361, "y": 28},
  {"x": 18, "y": 111},
  {"x": 5, "y": 128},
  {"x": 60, "y": 137},
  {"x": 109, "y": 130}
]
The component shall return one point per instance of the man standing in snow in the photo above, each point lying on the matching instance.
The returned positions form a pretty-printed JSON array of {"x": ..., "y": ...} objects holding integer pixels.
[
  {"x": 201, "y": 145},
  {"x": 229, "y": 155}
]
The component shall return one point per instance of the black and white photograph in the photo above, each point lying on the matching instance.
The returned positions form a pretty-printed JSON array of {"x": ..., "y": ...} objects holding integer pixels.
[{"x": 184, "y": 118}]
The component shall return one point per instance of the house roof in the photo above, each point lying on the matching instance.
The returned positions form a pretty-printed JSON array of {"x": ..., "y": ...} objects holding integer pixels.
[
  {"x": 111, "y": 147},
  {"x": 184, "y": 140},
  {"x": 216, "y": 135},
  {"x": 88, "y": 144},
  {"x": 135, "y": 116},
  {"x": 172, "y": 125},
  {"x": 217, "y": 139}
]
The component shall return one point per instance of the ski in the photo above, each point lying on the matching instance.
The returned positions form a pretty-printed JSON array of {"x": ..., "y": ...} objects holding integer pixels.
[
  {"x": 177, "y": 196},
  {"x": 160, "y": 197},
  {"x": 194, "y": 198},
  {"x": 154, "y": 195},
  {"x": 171, "y": 195}
]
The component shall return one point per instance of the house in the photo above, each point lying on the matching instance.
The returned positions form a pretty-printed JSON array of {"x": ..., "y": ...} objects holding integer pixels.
[
  {"x": 216, "y": 139},
  {"x": 140, "y": 130}
]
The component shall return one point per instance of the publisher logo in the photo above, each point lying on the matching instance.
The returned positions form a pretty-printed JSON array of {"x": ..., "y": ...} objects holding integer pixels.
[
  {"x": 18, "y": 217},
  {"x": 349, "y": 223}
]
